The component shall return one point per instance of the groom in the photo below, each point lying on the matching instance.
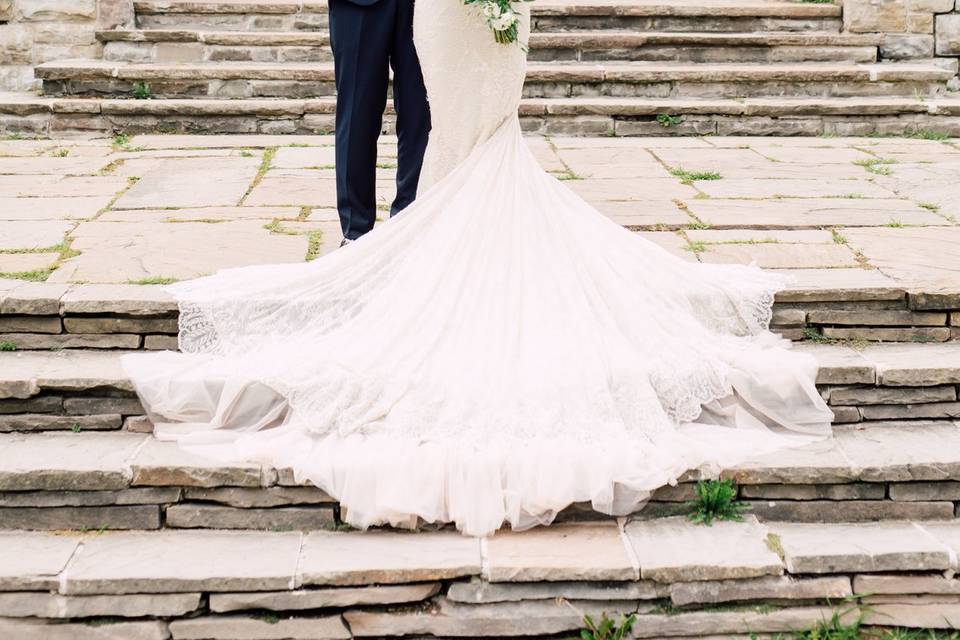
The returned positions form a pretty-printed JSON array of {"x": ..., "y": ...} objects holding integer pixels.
[{"x": 368, "y": 38}]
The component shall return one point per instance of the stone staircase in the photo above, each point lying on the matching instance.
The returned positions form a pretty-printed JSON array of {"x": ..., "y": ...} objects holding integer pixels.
[
  {"x": 606, "y": 67},
  {"x": 112, "y": 535}
]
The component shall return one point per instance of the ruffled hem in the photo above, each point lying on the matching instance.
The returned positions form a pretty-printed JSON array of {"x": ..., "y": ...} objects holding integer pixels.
[{"x": 401, "y": 482}]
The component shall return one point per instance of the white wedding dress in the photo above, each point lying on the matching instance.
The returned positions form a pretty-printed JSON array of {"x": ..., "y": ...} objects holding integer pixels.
[{"x": 495, "y": 353}]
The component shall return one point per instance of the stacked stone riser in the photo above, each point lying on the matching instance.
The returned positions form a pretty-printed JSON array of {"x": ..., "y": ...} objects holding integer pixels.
[
  {"x": 49, "y": 317},
  {"x": 66, "y": 118},
  {"x": 280, "y": 508},
  {"x": 110, "y": 408},
  {"x": 543, "y": 81},
  {"x": 216, "y": 585},
  {"x": 312, "y": 16},
  {"x": 130, "y": 481},
  {"x": 194, "y": 46}
]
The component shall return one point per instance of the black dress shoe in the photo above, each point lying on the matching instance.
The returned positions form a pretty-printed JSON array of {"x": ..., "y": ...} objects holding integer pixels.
[{"x": 345, "y": 242}]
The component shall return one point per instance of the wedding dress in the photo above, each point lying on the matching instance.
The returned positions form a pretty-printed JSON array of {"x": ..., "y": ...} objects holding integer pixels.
[{"x": 498, "y": 351}]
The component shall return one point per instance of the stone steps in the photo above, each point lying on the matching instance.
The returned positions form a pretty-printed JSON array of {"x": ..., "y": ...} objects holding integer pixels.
[
  {"x": 164, "y": 46},
  {"x": 856, "y": 305},
  {"x": 544, "y": 80},
  {"x": 28, "y": 114},
  {"x": 681, "y": 580},
  {"x": 86, "y": 390},
  {"x": 643, "y": 15},
  {"x": 890, "y": 470}
]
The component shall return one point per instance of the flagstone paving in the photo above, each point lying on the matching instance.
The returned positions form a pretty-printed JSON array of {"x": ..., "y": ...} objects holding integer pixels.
[{"x": 155, "y": 208}]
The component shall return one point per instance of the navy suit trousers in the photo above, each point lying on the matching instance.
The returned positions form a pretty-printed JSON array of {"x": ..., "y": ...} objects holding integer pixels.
[{"x": 368, "y": 39}]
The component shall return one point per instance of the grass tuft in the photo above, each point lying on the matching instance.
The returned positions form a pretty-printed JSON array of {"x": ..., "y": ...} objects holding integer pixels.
[
  {"x": 607, "y": 628},
  {"x": 690, "y": 176},
  {"x": 877, "y": 166},
  {"x": 667, "y": 120},
  {"x": 154, "y": 280},
  {"x": 7, "y": 345},
  {"x": 716, "y": 500},
  {"x": 141, "y": 91}
]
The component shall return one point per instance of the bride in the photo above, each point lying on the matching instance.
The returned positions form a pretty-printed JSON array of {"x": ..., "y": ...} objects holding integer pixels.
[{"x": 495, "y": 353}]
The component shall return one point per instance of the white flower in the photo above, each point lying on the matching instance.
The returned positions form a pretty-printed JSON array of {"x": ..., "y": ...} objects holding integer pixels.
[
  {"x": 506, "y": 20},
  {"x": 491, "y": 11}
]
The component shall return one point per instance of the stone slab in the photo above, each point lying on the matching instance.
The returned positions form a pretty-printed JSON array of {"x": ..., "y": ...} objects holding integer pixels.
[
  {"x": 817, "y": 463},
  {"x": 45, "y": 422},
  {"x": 809, "y": 213},
  {"x": 260, "y": 497},
  {"x": 34, "y": 561},
  {"x": 166, "y": 464},
  {"x": 631, "y": 189},
  {"x": 781, "y": 256},
  {"x": 100, "y": 324},
  {"x": 34, "y": 234},
  {"x": 840, "y": 364},
  {"x": 27, "y": 262},
  {"x": 192, "y": 182},
  {"x": 33, "y": 298},
  {"x": 323, "y": 598},
  {"x": 854, "y": 396},
  {"x": 915, "y": 365},
  {"x": 915, "y": 616},
  {"x": 139, "y": 517},
  {"x": 837, "y": 492},
  {"x": 66, "y": 461},
  {"x": 792, "y": 188},
  {"x": 748, "y": 621},
  {"x": 675, "y": 550},
  {"x": 125, "y": 299},
  {"x": 386, "y": 557},
  {"x": 919, "y": 491},
  {"x": 763, "y": 589},
  {"x": 207, "y": 516},
  {"x": 184, "y": 561},
  {"x": 905, "y": 584},
  {"x": 902, "y": 451},
  {"x": 449, "y": 619},
  {"x": 849, "y": 510},
  {"x": 52, "y": 605},
  {"x": 43, "y": 630},
  {"x": 918, "y": 254},
  {"x": 244, "y": 628},
  {"x": 52, "y": 208},
  {"x": 69, "y": 187},
  {"x": 561, "y": 552},
  {"x": 865, "y": 547},
  {"x": 24, "y": 374},
  {"x": 478, "y": 591},
  {"x": 121, "y": 252},
  {"x": 145, "y": 495},
  {"x": 846, "y": 285}
]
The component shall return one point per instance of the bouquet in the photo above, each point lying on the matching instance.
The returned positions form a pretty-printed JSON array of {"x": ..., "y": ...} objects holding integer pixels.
[{"x": 501, "y": 17}]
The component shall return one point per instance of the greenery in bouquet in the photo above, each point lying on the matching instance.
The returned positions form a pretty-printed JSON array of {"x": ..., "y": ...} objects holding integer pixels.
[{"x": 501, "y": 17}]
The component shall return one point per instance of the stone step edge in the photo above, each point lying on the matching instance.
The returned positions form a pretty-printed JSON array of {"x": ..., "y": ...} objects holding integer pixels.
[
  {"x": 129, "y": 471},
  {"x": 537, "y": 39},
  {"x": 42, "y": 298},
  {"x": 875, "y": 365},
  {"x": 647, "y": 555},
  {"x": 627, "y": 107},
  {"x": 636, "y": 72},
  {"x": 729, "y": 8}
]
